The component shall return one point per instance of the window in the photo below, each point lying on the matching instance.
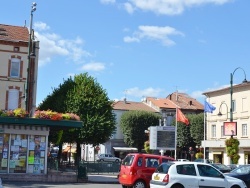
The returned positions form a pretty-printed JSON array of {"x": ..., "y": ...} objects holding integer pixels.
[
  {"x": 208, "y": 171},
  {"x": 13, "y": 98},
  {"x": 213, "y": 131},
  {"x": 139, "y": 162},
  {"x": 244, "y": 104},
  {"x": 222, "y": 131},
  {"x": 16, "y": 49},
  {"x": 244, "y": 129},
  {"x": 15, "y": 68},
  {"x": 186, "y": 169},
  {"x": 152, "y": 162}
]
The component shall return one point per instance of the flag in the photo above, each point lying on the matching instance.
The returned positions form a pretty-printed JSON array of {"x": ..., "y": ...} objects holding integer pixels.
[
  {"x": 181, "y": 117},
  {"x": 208, "y": 107}
]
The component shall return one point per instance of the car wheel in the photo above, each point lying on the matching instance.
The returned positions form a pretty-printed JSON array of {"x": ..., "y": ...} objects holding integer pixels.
[
  {"x": 139, "y": 184},
  {"x": 177, "y": 186},
  {"x": 101, "y": 160},
  {"x": 117, "y": 160},
  {"x": 235, "y": 186}
]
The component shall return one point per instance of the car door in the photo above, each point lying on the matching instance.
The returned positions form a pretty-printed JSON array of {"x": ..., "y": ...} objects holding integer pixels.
[
  {"x": 187, "y": 175},
  {"x": 210, "y": 177}
]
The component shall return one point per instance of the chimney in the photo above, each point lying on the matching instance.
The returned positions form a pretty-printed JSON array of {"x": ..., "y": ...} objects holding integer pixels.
[{"x": 125, "y": 100}]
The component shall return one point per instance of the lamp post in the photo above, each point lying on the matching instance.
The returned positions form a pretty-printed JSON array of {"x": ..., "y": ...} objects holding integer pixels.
[
  {"x": 31, "y": 55},
  {"x": 220, "y": 114},
  {"x": 231, "y": 90}
]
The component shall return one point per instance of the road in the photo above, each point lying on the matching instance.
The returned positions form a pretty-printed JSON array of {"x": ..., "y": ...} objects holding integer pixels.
[{"x": 54, "y": 185}]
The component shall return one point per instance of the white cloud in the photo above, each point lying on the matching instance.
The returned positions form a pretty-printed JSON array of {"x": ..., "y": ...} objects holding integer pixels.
[
  {"x": 107, "y": 1},
  {"x": 40, "y": 26},
  {"x": 93, "y": 66},
  {"x": 168, "y": 7},
  {"x": 129, "y": 8},
  {"x": 53, "y": 45},
  {"x": 149, "y": 92},
  {"x": 154, "y": 33},
  {"x": 131, "y": 39}
]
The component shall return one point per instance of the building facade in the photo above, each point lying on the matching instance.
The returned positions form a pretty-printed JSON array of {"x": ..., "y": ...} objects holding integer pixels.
[
  {"x": 215, "y": 124},
  {"x": 17, "y": 65}
]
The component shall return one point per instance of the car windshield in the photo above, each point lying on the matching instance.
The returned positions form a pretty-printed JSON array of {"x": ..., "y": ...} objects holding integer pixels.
[
  {"x": 242, "y": 170},
  {"x": 128, "y": 160}
]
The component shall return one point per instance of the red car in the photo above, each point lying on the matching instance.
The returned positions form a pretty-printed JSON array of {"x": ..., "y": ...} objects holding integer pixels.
[{"x": 137, "y": 168}]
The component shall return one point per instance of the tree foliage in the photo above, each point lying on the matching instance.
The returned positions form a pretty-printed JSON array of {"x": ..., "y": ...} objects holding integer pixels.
[
  {"x": 192, "y": 134},
  {"x": 197, "y": 127},
  {"x": 90, "y": 101},
  {"x": 134, "y": 124},
  {"x": 86, "y": 98}
]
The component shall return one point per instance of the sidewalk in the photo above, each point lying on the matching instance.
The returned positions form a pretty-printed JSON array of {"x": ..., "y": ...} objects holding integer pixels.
[{"x": 103, "y": 178}]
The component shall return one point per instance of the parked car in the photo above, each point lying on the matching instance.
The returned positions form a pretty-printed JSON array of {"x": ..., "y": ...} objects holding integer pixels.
[
  {"x": 182, "y": 160},
  {"x": 193, "y": 175},
  {"x": 221, "y": 167},
  {"x": 1, "y": 185},
  {"x": 137, "y": 168},
  {"x": 107, "y": 158},
  {"x": 202, "y": 161},
  {"x": 242, "y": 172}
]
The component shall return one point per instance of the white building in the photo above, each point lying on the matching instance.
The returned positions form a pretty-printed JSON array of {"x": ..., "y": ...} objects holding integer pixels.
[{"x": 215, "y": 140}]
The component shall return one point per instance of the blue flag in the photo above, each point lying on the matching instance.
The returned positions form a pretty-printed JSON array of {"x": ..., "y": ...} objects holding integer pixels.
[{"x": 208, "y": 107}]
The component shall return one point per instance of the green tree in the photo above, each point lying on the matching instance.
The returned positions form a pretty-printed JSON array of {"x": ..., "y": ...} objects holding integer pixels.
[
  {"x": 90, "y": 101},
  {"x": 196, "y": 127},
  {"x": 85, "y": 97},
  {"x": 133, "y": 125}
]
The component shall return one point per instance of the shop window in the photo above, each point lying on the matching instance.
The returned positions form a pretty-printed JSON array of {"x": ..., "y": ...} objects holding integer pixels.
[
  {"x": 4, "y": 151},
  {"x": 36, "y": 155},
  {"x": 18, "y": 153}
]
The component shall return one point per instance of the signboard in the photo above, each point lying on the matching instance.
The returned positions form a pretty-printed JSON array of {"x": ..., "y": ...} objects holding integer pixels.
[
  {"x": 162, "y": 137},
  {"x": 230, "y": 128}
]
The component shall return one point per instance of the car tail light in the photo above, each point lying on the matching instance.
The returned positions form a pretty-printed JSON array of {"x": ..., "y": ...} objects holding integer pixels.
[{"x": 166, "y": 178}]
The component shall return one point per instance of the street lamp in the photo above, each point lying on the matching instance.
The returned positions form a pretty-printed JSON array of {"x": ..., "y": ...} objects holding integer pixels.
[
  {"x": 231, "y": 90},
  {"x": 31, "y": 55},
  {"x": 220, "y": 114}
]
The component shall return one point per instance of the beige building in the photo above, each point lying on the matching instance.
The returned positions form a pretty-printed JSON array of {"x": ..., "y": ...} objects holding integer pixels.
[
  {"x": 215, "y": 134},
  {"x": 18, "y": 88}
]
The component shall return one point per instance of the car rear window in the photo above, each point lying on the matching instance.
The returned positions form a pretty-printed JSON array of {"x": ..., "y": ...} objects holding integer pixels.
[
  {"x": 128, "y": 160},
  {"x": 163, "y": 168}
]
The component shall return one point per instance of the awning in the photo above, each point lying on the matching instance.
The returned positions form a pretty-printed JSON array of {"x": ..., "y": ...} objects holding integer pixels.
[{"x": 125, "y": 149}]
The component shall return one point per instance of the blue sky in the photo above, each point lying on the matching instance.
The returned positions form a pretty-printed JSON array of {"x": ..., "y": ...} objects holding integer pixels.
[{"x": 138, "y": 48}]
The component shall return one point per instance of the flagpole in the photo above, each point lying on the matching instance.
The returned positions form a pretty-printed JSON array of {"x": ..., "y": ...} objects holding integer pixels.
[
  {"x": 204, "y": 147},
  {"x": 175, "y": 152}
]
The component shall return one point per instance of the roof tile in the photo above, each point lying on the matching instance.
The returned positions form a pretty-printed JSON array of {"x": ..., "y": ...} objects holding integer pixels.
[{"x": 14, "y": 33}]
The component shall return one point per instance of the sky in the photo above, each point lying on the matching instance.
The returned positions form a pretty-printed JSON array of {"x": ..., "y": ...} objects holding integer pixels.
[{"x": 138, "y": 48}]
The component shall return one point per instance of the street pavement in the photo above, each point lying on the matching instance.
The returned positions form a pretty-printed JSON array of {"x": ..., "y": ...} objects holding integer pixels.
[
  {"x": 103, "y": 178},
  {"x": 106, "y": 178}
]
